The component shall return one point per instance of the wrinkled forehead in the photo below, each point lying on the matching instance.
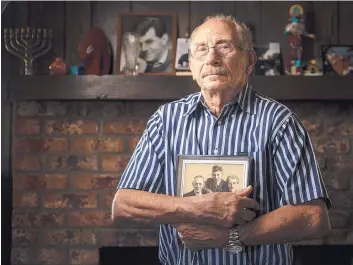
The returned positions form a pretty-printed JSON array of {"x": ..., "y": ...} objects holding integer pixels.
[
  {"x": 214, "y": 30},
  {"x": 198, "y": 180}
]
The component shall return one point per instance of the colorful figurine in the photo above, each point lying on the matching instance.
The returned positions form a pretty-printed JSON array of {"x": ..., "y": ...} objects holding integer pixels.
[{"x": 295, "y": 30}]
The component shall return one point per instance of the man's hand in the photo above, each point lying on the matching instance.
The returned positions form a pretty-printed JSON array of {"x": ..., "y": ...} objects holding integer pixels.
[
  {"x": 197, "y": 237},
  {"x": 226, "y": 209}
]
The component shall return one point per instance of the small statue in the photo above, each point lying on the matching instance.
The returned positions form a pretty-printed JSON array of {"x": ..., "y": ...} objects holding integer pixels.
[
  {"x": 296, "y": 30},
  {"x": 94, "y": 51},
  {"x": 313, "y": 69}
]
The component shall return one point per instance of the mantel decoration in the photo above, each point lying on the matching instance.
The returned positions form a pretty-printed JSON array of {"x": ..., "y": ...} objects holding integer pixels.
[
  {"x": 295, "y": 30},
  {"x": 28, "y": 45},
  {"x": 94, "y": 51},
  {"x": 337, "y": 59},
  {"x": 58, "y": 67},
  {"x": 182, "y": 54},
  {"x": 157, "y": 41},
  {"x": 131, "y": 52}
]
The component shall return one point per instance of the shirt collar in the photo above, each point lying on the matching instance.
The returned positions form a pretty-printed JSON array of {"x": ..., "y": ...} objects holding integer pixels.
[
  {"x": 162, "y": 60},
  {"x": 245, "y": 99}
]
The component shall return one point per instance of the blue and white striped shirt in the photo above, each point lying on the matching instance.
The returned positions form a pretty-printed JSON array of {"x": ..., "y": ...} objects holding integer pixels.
[{"x": 285, "y": 169}]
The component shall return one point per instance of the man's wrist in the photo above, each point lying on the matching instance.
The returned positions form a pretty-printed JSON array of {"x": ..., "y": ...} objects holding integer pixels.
[{"x": 242, "y": 231}]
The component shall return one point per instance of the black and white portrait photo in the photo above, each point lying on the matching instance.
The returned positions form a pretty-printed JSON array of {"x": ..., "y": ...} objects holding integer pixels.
[
  {"x": 157, "y": 38},
  {"x": 198, "y": 175},
  {"x": 182, "y": 55}
]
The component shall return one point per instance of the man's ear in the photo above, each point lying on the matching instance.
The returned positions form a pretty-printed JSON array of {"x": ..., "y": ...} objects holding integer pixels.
[
  {"x": 165, "y": 38},
  {"x": 190, "y": 67},
  {"x": 252, "y": 58}
]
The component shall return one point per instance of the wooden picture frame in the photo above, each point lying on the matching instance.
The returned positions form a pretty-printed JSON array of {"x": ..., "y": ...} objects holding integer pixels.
[
  {"x": 195, "y": 171},
  {"x": 159, "y": 64}
]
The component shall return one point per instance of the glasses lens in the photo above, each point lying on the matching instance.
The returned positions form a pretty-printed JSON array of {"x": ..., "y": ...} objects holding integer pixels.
[
  {"x": 199, "y": 51},
  {"x": 222, "y": 49}
]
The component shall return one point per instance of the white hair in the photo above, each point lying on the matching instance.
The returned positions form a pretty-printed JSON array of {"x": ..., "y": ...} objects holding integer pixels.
[{"x": 244, "y": 33}]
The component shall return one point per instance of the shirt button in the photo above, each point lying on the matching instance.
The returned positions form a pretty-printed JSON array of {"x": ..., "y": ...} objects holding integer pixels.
[
  {"x": 220, "y": 122},
  {"x": 216, "y": 151}
]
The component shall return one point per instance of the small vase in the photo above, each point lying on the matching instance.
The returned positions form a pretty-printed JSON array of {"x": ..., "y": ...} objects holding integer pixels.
[{"x": 58, "y": 67}]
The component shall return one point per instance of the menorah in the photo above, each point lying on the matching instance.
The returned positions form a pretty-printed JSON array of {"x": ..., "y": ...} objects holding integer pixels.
[{"x": 28, "y": 45}]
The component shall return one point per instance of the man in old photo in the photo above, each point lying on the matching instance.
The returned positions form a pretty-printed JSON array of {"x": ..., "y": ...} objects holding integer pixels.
[
  {"x": 286, "y": 200},
  {"x": 154, "y": 40},
  {"x": 216, "y": 183},
  {"x": 199, "y": 187}
]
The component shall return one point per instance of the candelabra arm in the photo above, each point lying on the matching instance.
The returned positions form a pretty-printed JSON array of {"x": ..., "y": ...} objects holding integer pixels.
[
  {"x": 41, "y": 53},
  {"x": 9, "y": 49},
  {"x": 38, "y": 39},
  {"x": 20, "y": 39},
  {"x": 24, "y": 38},
  {"x": 20, "y": 52},
  {"x": 43, "y": 42}
]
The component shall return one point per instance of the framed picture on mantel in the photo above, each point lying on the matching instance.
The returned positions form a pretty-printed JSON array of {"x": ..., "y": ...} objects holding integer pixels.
[{"x": 156, "y": 35}]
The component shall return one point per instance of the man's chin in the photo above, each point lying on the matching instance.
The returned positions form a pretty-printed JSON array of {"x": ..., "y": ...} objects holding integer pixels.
[
  {"x": 215, "y": 86},
  {"x": 149, "y": 59}
]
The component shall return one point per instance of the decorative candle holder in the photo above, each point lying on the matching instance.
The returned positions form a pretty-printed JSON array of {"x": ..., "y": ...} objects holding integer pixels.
[{"x": 28, "y": 45}]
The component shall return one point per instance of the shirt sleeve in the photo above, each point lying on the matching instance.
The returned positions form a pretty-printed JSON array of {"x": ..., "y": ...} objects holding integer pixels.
[
  {"x": 297, "y": 172},
  {"x": 145, "y": 168}
]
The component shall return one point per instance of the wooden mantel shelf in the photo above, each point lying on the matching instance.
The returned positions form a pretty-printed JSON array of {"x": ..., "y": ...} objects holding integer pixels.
[{"x": 119, "y": 87}]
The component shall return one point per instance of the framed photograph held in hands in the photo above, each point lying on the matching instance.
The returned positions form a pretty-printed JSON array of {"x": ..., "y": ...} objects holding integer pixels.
[{"x": 198, "y": 175}]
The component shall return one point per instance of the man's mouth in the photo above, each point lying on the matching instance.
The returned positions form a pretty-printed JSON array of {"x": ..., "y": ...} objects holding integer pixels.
[{"x": 216, "y": 74}]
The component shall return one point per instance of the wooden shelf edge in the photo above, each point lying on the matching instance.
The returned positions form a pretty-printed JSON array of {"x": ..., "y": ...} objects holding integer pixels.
[{"x": 119, "y": 87}]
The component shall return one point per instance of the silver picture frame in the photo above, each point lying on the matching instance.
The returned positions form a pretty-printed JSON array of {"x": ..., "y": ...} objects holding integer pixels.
[{"x": 198, "y": 174}]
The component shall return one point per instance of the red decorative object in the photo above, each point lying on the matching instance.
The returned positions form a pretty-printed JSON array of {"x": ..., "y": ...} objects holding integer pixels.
[
  {"x": 94, "y": 51},
  {"x": 58, "y": 67}
]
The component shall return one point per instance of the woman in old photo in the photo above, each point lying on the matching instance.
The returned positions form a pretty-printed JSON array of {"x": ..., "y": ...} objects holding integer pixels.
[{"x": 233, "y": 183}]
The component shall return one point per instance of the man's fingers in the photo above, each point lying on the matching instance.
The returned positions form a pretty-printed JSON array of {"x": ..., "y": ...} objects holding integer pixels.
[
  {"x": 245, "y": 192},
  {"x": 247, "y": 215},
  {"x": 250, "y": 204}
]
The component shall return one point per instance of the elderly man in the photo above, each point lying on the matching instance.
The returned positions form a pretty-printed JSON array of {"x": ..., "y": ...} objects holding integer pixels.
[
  {"x": 286, "y": 200},
  {"x": 199, "y": 187}
]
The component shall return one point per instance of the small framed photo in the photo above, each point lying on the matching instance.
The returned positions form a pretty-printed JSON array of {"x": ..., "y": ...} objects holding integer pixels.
[
  {"x": 157, "y": 37},
  {"x": 337, "y": 59},
  {"x": 198, "y": 175},
  {"x": 182, "y": 55}
]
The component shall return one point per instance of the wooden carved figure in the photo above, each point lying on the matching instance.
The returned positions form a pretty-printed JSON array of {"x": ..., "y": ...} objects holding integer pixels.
[{"x": 94, "y": 51}]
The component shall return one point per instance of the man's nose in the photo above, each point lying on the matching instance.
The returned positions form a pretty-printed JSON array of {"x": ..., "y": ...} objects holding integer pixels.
[
  {"x": 143, "y": 47},
  {"x": 212, "y": 57}
]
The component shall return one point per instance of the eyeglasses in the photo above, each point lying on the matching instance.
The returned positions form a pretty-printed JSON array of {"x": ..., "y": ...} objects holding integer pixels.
[{"x": 223, "y": 49}]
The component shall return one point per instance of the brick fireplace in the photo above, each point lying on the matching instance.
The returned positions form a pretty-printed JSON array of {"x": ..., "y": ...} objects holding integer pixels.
[{"x": 68, "y": 157}]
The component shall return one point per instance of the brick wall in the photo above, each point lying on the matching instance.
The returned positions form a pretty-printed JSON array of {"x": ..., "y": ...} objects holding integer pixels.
[{"x": 69, "y": 156}]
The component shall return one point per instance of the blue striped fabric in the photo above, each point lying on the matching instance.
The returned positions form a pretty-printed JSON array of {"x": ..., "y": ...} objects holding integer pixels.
[{"x": 285, "y": 169}]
